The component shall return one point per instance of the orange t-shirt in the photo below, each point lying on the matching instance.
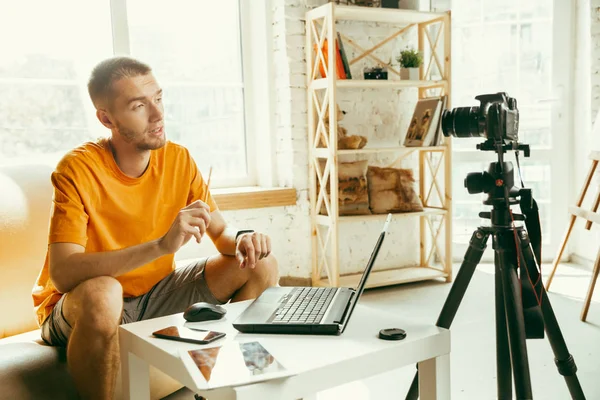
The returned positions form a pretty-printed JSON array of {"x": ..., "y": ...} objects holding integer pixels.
[{"x": 99, "y": 207}]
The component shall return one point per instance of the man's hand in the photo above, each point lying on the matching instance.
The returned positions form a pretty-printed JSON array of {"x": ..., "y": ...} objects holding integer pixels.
[
  {"x": 190, "y": 221},
  {"x": 252, "y": 247}
]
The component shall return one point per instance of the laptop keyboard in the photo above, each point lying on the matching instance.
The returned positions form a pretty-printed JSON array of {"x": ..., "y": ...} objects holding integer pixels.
[{"x": 305, "y": 305}]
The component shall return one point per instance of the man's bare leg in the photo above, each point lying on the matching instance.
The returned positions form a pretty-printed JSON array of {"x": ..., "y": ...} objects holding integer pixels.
[
  {"x": 93, "y": 309},
  {"x": 227, "y": 281}
]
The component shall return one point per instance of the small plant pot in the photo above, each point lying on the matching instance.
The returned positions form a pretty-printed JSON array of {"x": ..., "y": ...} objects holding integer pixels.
[{"x": 409, "y": 74}]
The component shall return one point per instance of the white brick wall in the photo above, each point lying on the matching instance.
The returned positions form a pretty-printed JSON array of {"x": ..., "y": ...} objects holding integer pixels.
[{"x": 380, "y": 115}]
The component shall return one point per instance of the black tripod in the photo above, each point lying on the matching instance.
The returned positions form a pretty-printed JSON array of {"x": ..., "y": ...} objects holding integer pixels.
[{"x": 512, "y": 250}]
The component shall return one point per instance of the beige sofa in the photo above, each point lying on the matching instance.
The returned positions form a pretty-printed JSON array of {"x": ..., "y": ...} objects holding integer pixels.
[{"x": 29, "y": 369}]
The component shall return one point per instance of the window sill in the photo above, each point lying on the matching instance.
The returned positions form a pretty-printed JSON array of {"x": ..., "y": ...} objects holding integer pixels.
[{"x": 253, "y": 197}]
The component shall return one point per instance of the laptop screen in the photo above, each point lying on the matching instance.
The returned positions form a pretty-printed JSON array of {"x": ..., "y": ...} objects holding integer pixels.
[{"x": 363, "y": 281}]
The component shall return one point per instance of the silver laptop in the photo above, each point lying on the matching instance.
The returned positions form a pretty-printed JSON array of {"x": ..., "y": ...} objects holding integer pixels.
[{"x": 306, "y": 310}]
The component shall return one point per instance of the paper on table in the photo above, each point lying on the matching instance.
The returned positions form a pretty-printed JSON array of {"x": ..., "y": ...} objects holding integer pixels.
[{"x": 234, "y": 363}]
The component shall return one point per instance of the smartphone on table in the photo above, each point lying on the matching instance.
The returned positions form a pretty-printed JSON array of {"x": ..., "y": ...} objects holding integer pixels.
[{"x": 185, "y": 334}]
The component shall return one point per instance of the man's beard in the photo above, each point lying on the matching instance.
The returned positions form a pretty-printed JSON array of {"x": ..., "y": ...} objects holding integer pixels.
[{"x": 143, "y": 144}]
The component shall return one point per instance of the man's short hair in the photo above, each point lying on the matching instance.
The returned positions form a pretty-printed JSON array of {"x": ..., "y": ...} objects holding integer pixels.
[{"x": 109, "y": 71}]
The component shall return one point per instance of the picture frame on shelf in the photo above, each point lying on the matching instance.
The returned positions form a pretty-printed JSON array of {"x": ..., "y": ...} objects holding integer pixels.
[{"x": 424, "y": 122}]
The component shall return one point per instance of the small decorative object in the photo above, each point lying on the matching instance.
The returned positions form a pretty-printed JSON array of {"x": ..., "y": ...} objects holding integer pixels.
[
  {"x": 389, "y": 3},
  {"x": 410, "y": 60},
  {"x": 364, "y": 3},
  {"x": 345, "y": 141},
  {"x": 376, "y": 73},
  {"x": 408, "y": 4},
  {"x": 368, "y": 3}
]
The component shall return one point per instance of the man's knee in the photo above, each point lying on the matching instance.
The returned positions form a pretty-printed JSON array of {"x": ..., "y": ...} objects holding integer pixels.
[
  {"x": 268, "y": 268},
  {"x": 96, "y": 303}
]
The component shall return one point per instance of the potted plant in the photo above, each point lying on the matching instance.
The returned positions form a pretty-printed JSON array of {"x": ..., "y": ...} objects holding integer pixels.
[{"x": 410, "y": 60}]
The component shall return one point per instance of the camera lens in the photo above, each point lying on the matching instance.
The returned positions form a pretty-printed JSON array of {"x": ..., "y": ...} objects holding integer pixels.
[{"x": 462, "y": 122}]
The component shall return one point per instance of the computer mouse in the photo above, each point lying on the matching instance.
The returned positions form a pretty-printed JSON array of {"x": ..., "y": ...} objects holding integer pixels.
[{"x": 203, "y": 312}]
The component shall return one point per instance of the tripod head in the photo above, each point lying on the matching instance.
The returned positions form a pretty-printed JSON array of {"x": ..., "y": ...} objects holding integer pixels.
[{"x": 498, "y": 181}]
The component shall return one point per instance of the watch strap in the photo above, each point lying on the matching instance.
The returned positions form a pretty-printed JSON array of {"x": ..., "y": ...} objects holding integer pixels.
[{"x": 241, "y": 232}]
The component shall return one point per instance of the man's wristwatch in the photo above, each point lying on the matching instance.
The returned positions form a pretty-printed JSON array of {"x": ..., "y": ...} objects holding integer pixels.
[{"x": 239, "y": 233}]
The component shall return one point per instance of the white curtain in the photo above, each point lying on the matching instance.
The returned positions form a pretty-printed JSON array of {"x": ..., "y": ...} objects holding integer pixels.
[{"x": 586, "y": 129}]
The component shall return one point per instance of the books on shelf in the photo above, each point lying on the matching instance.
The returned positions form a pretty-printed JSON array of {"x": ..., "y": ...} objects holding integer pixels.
[
  {"x": 344, "y": 57},
  {"x": 340, "y": 67},
  {"x": 425, "y": 124}
]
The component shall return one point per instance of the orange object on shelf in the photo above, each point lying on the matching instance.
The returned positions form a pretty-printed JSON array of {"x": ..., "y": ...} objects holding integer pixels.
[{"x": 339, "y": 65}]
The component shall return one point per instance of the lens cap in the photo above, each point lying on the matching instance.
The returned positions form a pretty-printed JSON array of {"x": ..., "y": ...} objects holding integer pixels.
[{"x": 392, "y": 334}]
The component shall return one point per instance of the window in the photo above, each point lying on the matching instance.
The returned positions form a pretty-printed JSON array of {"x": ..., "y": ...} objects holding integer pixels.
[
  {"x": 518, "y": 48},
  {"x": 44, "y": 106},
  {"x": 194, "y": 47}
]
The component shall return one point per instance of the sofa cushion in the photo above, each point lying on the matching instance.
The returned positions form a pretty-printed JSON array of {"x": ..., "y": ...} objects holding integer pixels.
[
  {"x": 25, "y": 205},
  {"x": 29, "y": 370}
]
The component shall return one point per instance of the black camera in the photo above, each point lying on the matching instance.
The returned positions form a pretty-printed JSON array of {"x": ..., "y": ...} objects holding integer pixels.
[{"x": 497, "y": 118}]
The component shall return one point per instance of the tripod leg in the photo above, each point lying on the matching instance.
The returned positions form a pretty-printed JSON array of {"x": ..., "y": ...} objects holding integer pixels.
[
  {"x": 564, "y": 361},
  {"x": 457, "y": 291},
  {"x": 588, "y": 297},
  {"x": 506, "y": 257},
  {"x": 503, "y": 368}
]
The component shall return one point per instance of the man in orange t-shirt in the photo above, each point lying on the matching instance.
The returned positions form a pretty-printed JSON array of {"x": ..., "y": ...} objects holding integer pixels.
[{"x": 122, "y": 207}]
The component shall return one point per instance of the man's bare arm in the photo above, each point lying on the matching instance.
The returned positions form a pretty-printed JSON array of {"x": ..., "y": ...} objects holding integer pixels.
[
  {"x": 70, "y": 264},
  {"x": 250, "y": 247},
  {"x": 222, "y": 235}
]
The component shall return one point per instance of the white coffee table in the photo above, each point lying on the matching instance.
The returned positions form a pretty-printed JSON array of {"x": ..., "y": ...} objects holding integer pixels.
[{"x": 311, "y": 363}]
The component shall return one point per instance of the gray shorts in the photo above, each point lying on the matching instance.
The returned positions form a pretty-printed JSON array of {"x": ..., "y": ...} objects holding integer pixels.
[{"x": 173, "y": 294}]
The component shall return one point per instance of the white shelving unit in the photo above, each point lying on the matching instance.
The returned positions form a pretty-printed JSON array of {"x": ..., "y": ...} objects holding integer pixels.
[{"x": 320, "y": 26}]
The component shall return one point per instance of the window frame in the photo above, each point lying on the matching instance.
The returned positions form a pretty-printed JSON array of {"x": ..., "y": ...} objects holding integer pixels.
[{"x": 257, "y": 89}]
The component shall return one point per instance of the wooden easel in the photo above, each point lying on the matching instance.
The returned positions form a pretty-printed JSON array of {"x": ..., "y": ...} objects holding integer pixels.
[{"x": 590, "y": 216}]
